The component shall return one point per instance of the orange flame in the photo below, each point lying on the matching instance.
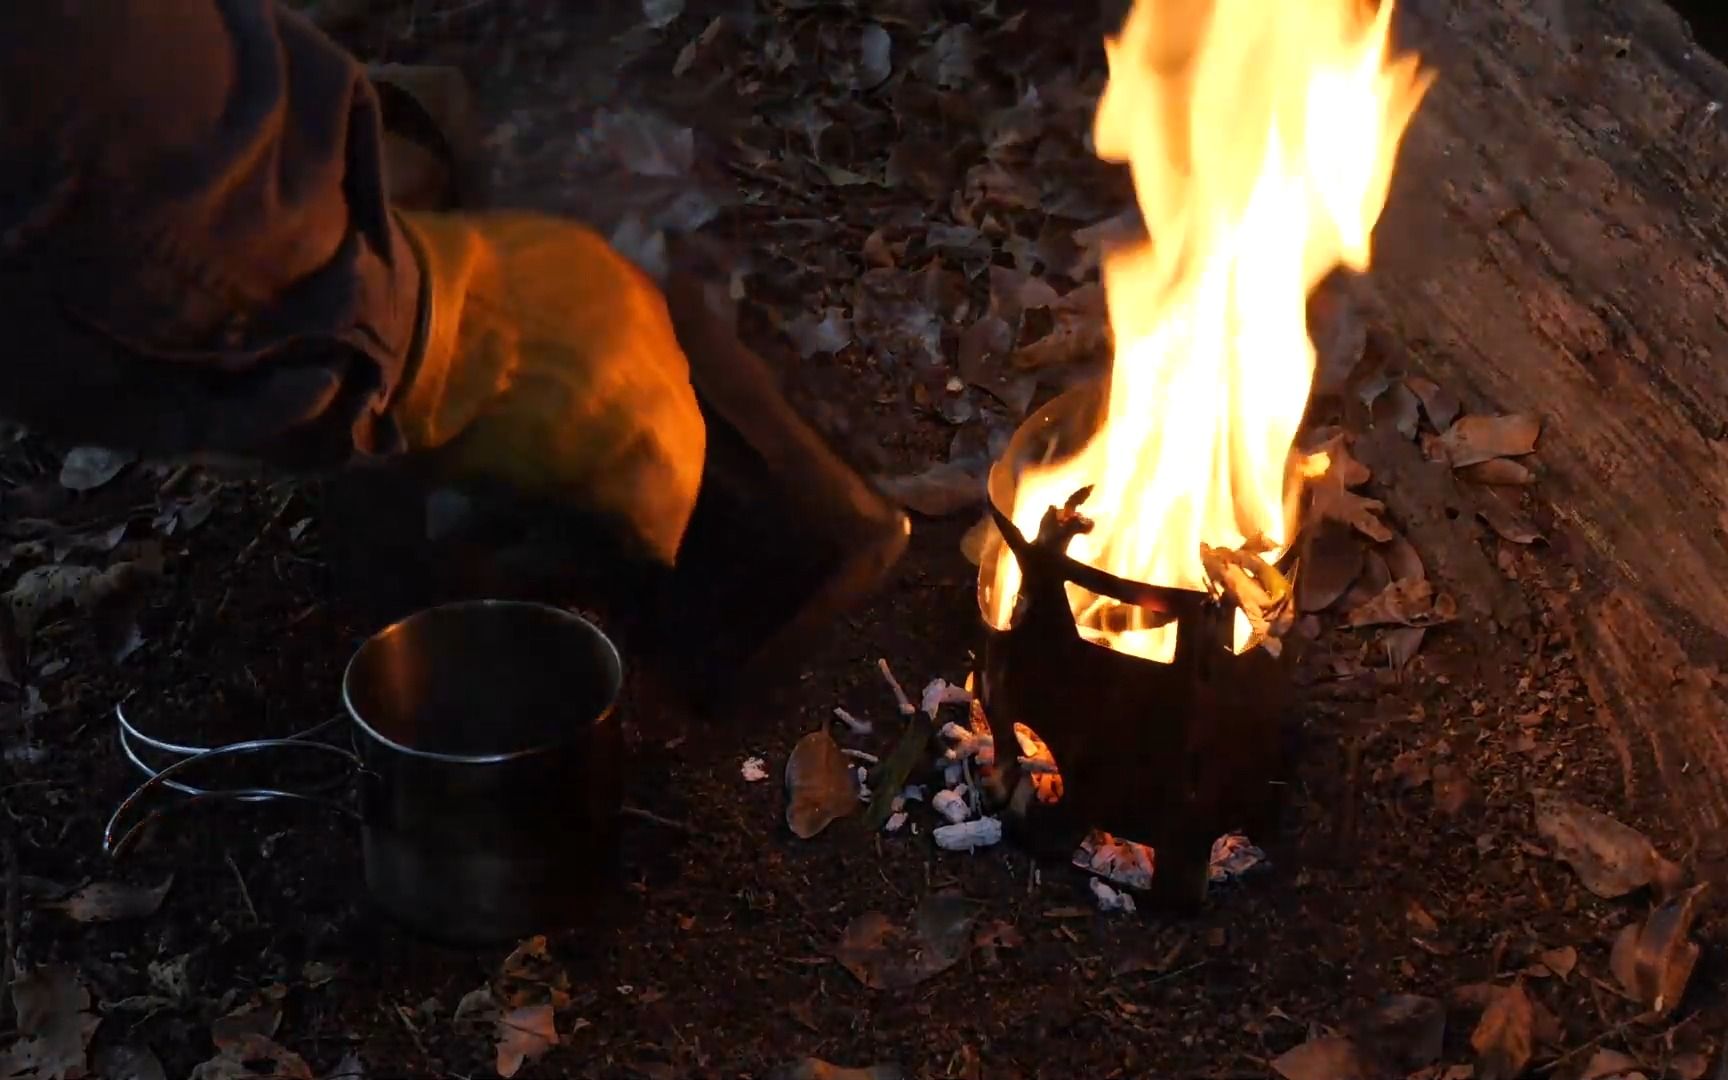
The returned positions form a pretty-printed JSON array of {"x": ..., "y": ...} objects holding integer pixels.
[{"x": 1261, "y": 135}]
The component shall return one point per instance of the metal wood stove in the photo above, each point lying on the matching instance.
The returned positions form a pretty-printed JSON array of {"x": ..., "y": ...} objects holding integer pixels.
[{"x": 1171, "y": 755}]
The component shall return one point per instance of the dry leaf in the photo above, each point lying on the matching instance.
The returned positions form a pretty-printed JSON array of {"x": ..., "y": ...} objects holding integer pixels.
[
  {"x": 1330, "y": 1057},
  {"x": 1501, "y": 471},
  {"x": 984, "y": 353},
  {"x": 110, "y": 901},
  {"x": 1504, "y": 1040},
  {"x": 829, "y": 334},
  {"x": 234, "y": 1057},
  {"x": 875, "y": 57},
  {"x": 1406, "y": 603},
  {"x": 524, "y": 1035},
  {"x": 87, "y": 468},
  {"x": 1402, "y": 561},
  {"x": 945, "y": 488},
  {"x": 817, "y": 1069},
  {"x": 1440, "y": 404},
  {"x": 1560, "y": 961},
  {"x": 1688, "y": 1065},
  {"x": 54, "y": 1026},
  {"x": 976, "y": 539},
  {"x": 884, "y": 956},
  {"x": 1610, "y": 859},
  {"x": 1654, "y": 961},
  {"x": 132, "y": 1063},
  {"x": 1498, "y": 508},
  {"x": 1402, "y": 1033},
  {"x": 1474, "y": 439},
  {"x": 1333, "y": 499},
  {"x": 1401, "y": 644},
  {"x": 1452, "y": 789},
  {"x": 1331, "y": 563},
  {"x": 1397, "y": 408},
  {"x": 1606, "y": 1064},
  {"x": 349, "y": 1068},
  {"x": 819, "y": 785}
]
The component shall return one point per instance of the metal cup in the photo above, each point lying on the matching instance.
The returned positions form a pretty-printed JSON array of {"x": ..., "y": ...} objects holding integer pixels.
[{"x": 486, "y": 755}]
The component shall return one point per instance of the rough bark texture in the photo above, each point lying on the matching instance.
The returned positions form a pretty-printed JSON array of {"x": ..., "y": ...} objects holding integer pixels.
[{"x": 1556, "y": 244}]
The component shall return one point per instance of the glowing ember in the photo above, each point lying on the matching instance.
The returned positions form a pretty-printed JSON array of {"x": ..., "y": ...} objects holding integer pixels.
[{"x": 1261, "y": 137}]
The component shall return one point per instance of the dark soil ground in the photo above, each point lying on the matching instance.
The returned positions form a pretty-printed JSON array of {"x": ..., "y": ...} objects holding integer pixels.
[{"x": 1407, "y": 862}]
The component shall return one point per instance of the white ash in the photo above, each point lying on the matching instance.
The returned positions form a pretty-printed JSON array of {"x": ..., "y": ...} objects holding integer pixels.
[
  {"x": 967, "y": 743},
  {"x": 953, "y": 773},
  {"x": 896, "y": 822},
  {"x": 864, "y": 793},
  {"x": 900, "y": 698},
  {"x": 857, "y": 726},
  {"x": 952, "y": 805},
  {"x": 913, "y": 793},
  {"x": 1111, "y": 900},
  {"x": 941, "y": 692},
  {"x": 969, "y": 835},
  {"x": 754, "y": 770}
]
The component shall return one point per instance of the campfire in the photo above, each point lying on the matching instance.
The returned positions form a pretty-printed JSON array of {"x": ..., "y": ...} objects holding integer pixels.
[{"x": 1137, "y": 584}]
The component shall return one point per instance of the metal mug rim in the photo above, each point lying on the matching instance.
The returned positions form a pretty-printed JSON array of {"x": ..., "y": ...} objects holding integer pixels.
[{"x": 562, "y": 614}]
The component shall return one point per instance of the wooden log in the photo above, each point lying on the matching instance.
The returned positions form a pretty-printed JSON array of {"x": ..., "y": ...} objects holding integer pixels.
[{"x": 1556, "y": 244}]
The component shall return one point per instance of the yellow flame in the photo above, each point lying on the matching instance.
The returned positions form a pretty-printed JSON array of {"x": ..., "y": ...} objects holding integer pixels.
[{"x": 1261, "y": 135}]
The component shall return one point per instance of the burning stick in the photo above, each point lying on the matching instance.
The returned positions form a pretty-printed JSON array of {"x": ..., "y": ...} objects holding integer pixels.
[{"x": 906, "y": 706}]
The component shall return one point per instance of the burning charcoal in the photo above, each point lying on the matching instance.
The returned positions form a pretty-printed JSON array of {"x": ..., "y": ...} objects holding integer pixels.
[
  {"x": 969, "y": 835},
  {"x": 855, "y": 725},
  {"x": 1122, "y": 861},
  {"x": 1111, "y": 900},
  {"x": 1234, "y": 857},
  {"x": 896, "y": 822},
  {"x": 754, "y": 770}
]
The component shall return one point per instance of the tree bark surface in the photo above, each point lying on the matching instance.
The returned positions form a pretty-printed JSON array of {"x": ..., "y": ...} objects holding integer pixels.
[{"x": 1555, "y": 244}]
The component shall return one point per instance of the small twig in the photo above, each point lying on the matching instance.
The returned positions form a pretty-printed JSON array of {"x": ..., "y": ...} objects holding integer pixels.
[
  {"x": 861, "y": 755},
  {"x": 859, "y": 727},
  {"x": 1614, "y": 1032},
  {"x": 905, "y": 703},
  {"x": 245, "y": 893},
  {"x": 657, "y": 819},
  {"x": 274, "y": 519}
]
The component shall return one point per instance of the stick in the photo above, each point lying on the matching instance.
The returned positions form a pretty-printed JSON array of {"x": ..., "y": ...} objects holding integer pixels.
[
  {"x": 274, "y": 519},
  {"x": 913, "y": 745},
  {"x": 651, "y": 816},
  {"x": 1618, "y": 1029},
  {"x": 245, "y": 893},
  {"x": 859, "y": 727},
  {"x": 906, "y": 706}
]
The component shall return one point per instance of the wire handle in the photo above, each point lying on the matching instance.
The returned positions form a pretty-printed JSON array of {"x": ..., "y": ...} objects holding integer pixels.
[{"x": 116, "y": 848}]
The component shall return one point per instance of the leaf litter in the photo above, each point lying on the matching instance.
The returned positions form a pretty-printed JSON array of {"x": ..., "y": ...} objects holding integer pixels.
[
  {"x": 1611, "y": 859},
  {"x": 112, "y": 901},
  {"x": 54, "y": 1024}
]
